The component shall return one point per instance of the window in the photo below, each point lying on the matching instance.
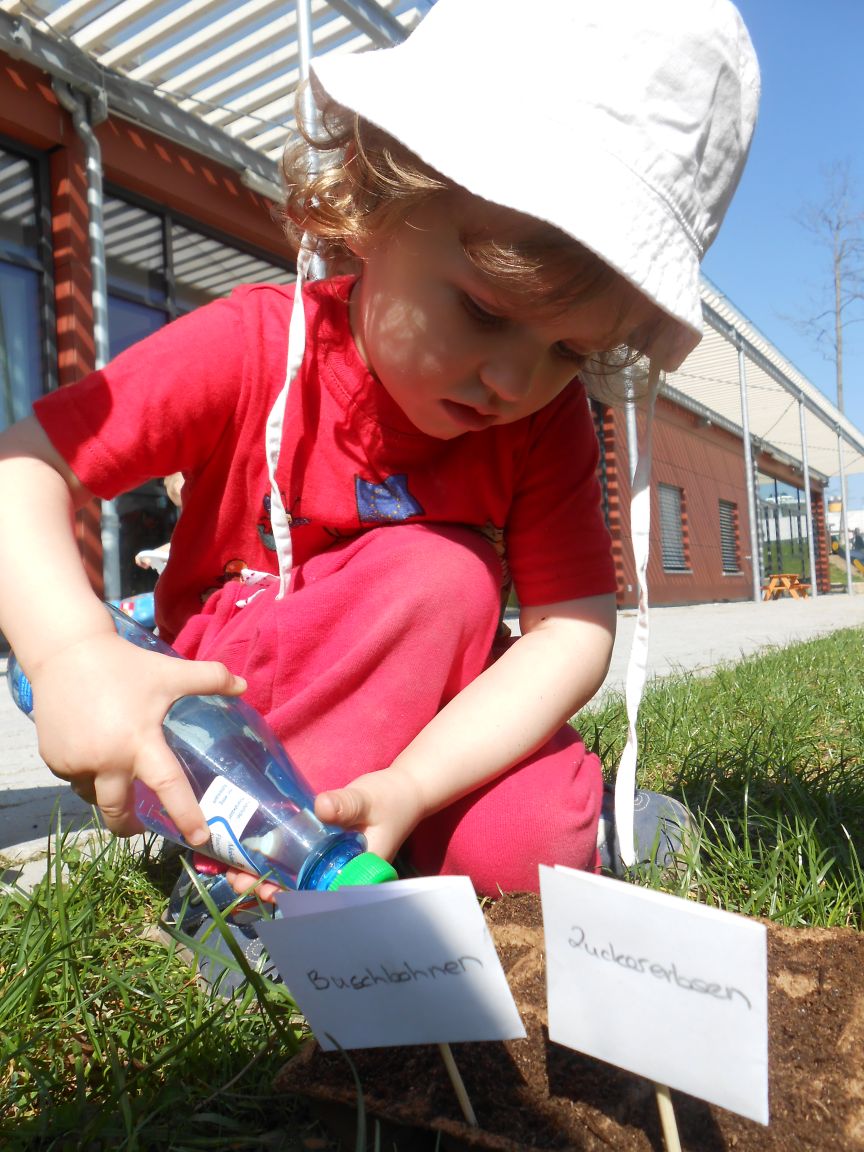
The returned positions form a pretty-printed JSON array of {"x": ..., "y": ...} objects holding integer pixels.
[
  {"x": 729, "y": 537},
  {"x": 672, "y": 529},
  {"x": 23, "y": 263},
  {"x": 205, "y": 268},
  {"x": 783, "y": 535},
  {"x": 159, "y": 269}
]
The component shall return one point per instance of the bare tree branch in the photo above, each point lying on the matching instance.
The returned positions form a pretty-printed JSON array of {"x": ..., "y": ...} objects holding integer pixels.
[{"x": 837, "y": 223}]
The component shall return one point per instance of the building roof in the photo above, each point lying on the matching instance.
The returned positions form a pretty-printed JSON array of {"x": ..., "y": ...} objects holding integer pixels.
[
  {"x": 219, "y": 77},
  {"x": 785, "y": 410}
]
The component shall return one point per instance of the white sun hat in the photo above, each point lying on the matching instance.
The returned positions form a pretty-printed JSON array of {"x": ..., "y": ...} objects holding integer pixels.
[{"x": 623, "y": 123}]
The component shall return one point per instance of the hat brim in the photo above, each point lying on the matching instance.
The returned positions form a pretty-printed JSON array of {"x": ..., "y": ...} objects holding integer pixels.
[{"x": 607, "y": 208}]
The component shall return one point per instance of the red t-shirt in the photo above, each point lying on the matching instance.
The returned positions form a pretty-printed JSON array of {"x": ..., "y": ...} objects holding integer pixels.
[{"x": 195, "y": 398}]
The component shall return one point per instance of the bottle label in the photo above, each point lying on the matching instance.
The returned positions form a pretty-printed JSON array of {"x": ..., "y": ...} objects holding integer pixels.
[{"x": 228, "y": 809}]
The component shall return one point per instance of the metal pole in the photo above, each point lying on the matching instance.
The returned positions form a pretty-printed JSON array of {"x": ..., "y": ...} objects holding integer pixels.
[
  {"x": 844, "y": 531},
  {"x": 83, "y": 119},
  {"x": 304, "y": 38},
  {"x": 370, "y": 17},
  {"x": 808, "y": 504},
  {"x": 305, "y": 49},
  {"x": 755, "y": 560}
]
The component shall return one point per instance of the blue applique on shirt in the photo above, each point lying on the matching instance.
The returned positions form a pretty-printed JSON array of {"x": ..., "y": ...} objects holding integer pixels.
[{"x": 388, "y": 501}]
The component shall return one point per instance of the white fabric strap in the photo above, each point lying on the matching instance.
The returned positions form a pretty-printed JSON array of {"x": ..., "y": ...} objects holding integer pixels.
[
  {"x": 279, "y": 518},
  {"x": 637, "y": 666}
]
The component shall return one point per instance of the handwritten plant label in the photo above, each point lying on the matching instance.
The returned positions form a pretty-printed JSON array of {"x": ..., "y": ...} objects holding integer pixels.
[
  {"x": 409, "y": 962},
  {"x": 662, "y": 987}
]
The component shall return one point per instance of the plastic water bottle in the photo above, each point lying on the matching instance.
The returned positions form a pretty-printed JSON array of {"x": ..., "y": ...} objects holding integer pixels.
[{"x": 258, "y": 807}]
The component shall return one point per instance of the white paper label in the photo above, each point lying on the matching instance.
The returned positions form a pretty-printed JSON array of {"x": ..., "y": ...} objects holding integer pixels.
[
  {"x": 227, "y": 810},
  {"x": 408, "y": 962},
  {"x": 666, "y": 988}
]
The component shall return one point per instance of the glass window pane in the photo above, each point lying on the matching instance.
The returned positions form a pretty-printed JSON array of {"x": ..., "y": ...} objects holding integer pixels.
[
  {"x": 147, "y": 519},
  {"x": 128, "y": 323},
  {"x": 205, "y": 269},
  {"x": 146, "y": 514},
  {"x": 202, "y": 269},
  {"x": 782, "y": 527},
  {"x": 18, "y": 233},
  {"x": 20, "y": 342},
  {"x": 134, "y": 252}
]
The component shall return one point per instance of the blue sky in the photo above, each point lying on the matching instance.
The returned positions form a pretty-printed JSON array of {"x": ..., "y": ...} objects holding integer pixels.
[{"x": 811, "y": 116}]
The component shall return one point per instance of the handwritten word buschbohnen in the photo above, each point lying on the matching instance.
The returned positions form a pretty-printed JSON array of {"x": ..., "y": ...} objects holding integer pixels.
[{"x": 406, "y": 974}]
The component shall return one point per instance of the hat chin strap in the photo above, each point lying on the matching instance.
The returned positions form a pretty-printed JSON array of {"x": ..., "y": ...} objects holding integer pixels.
[
  {"x": 637, "y": 666},
  {"x": 279, "y": 518}
]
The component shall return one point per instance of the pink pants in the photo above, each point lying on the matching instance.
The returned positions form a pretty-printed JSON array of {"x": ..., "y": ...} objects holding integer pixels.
[{"x": 374, "y": 638}]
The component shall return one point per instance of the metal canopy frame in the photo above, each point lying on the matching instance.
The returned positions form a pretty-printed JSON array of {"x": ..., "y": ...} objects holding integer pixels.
[{"x": 777, "y": 389}]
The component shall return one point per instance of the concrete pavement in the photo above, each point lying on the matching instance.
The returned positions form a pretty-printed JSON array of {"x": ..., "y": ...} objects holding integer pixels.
[
  {"x": 698, "y": 637},
  {"x": 695, "y": 638}
]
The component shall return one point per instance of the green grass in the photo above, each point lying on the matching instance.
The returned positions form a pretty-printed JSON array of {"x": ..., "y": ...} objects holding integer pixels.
[
  {"x": 108, "y": 1041},
  {"x": 785, "y": 557},
  {"x": 837, "y": 570},
  {"x": 769, "y": 756}
]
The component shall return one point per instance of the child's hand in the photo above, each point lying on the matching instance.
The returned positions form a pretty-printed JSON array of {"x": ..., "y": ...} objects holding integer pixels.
[
  {"x": 243, "y": 882},
  {"x": 99, "y": 706},
  {"x": 385, "y": 806}
]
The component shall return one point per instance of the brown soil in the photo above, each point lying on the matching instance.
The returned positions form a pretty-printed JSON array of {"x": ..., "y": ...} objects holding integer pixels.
[{"x": 531, "y": 1094}]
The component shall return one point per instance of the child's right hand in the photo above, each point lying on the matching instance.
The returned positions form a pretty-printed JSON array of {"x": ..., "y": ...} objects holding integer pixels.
[
  {"x": 99, "y": 700},
  {"x": 99, "y": 705}
]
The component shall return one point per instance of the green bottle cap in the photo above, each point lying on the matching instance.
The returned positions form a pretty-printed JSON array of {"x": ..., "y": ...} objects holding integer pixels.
[{"x": 367, "y": 868}]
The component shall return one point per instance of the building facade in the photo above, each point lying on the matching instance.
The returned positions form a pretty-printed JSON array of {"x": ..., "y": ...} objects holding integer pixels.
[{"x": 701, "y": 543}]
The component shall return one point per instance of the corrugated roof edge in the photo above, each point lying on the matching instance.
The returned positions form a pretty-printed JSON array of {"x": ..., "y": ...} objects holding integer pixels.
[{"x": 716, "y": 302}]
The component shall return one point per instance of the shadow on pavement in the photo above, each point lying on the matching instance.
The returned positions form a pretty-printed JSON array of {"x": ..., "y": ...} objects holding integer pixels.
[{"x": 28, "y": 814}]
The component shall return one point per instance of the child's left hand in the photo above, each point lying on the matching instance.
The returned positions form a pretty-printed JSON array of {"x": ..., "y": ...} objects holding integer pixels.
[{"x": 385, "y": 806}]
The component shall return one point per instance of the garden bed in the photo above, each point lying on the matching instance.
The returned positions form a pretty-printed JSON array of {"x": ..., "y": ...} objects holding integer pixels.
[{"x": 531, "y": 1094}]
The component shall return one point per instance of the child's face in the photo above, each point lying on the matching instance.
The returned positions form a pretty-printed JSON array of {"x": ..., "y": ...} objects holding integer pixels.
[{"x": 428, "y": 324}]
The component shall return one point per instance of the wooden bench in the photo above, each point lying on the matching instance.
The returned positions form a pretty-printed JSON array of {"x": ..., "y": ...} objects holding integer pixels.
[{"x": 785, "y": 584}]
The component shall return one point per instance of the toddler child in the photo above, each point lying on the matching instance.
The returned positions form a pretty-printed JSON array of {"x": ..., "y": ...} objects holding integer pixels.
[{"x": 521, "y": 196}]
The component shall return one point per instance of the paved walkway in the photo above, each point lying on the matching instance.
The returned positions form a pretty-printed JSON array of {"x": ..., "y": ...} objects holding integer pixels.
[
  {"x": 694, "y": 638},
  {"x": 698, "y": 637}
]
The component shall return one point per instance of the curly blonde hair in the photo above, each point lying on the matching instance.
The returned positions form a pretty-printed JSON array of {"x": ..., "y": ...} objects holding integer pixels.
[{"x": 347, "y": 183}]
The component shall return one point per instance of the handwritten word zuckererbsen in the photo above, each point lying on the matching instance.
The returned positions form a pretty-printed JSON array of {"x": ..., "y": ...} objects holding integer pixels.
[
  {"x": 645, "y": 966},
  {"x": 407, "y": 974}
]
